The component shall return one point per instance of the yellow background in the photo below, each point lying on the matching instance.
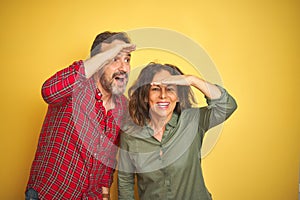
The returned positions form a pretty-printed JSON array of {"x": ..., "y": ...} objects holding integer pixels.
[{"x": 254, "y": 44}]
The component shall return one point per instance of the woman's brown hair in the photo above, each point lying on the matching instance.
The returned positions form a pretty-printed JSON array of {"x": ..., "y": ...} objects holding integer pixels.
[{"x": 139, "y": 91}]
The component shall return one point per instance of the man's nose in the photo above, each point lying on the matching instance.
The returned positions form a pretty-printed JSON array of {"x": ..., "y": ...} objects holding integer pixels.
[{"x": 124, "y": 66}]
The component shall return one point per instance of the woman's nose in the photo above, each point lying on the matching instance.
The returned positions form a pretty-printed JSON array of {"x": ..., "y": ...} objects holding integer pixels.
[{"x": 163, "y": 93}]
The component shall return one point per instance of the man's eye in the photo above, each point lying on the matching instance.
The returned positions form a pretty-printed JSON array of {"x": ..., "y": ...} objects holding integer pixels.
[
  {"x": 114, "y": 59},
  {"x": 127, "y": 60}
]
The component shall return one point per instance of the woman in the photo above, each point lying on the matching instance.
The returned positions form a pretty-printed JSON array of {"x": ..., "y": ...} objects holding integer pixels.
[{"x": 162, "y": 145}]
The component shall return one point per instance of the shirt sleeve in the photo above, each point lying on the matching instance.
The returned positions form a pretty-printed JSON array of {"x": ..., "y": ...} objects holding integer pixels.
[
  {"x": 113, "y": 140},
  {"x": 108, "y": 159},
  {"x": 107, "y": 179},
  {"x": 218, "y": 110},
  {"x": 126, "y": 171},
  {"x": 58, "y": 87}
]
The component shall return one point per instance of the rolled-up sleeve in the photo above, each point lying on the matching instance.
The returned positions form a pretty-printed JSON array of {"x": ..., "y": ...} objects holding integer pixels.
[
  {"x": 61, "y": 85},
  {"x": 217, "y": 110}
]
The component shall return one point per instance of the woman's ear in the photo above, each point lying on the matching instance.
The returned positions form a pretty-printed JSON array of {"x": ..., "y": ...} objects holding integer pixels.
[{"x": 146, "y": 100}]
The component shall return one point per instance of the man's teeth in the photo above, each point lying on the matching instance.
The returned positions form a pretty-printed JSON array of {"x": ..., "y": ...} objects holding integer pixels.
[{"x": 119, "y": 79}]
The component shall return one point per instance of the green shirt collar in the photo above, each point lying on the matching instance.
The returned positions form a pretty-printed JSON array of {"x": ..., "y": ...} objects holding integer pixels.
[{"x": 172, "y": 123}]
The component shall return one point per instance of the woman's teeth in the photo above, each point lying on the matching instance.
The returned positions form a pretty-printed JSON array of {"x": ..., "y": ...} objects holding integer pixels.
[{"x": 163, "y": 104}]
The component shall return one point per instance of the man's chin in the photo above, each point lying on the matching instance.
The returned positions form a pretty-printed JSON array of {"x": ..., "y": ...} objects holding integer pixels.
[{"x": 118, "y": 90}]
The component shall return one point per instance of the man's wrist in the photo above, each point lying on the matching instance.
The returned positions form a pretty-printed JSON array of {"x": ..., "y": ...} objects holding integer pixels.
[{"x": 106, "y": 196}]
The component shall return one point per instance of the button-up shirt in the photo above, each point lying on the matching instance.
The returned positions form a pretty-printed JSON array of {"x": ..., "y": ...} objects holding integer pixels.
[
  {"x": 78, "y": 142},
  {"x": 170, "y": 168}
]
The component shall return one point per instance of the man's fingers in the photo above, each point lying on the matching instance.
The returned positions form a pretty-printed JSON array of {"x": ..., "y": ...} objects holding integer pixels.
[{"x": 129, "y": 48}]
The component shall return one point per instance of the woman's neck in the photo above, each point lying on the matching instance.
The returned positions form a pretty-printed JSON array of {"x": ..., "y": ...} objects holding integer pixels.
[{"x": 158, "y": 124}]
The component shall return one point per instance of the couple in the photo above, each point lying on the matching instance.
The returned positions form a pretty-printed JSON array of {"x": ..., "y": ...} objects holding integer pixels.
[{"x": 160, "y": 141}]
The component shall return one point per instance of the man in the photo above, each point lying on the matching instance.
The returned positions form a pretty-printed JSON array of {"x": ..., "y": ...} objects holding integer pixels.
[{"x": 75, "y": 157}]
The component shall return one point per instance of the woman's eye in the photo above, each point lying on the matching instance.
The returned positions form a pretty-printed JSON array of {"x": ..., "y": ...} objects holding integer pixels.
[
  {"x": 171, "y": 89},
  {"x": 155, "y": 88}
]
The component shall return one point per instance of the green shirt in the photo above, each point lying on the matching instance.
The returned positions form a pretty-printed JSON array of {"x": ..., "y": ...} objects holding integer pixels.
[{"x": 170, "y": 169}]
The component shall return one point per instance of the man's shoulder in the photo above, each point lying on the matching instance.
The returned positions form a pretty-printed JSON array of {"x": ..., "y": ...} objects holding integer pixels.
[{"x": 122, "y": 100}]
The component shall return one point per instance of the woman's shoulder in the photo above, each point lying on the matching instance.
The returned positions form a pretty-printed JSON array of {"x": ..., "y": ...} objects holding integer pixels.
[
  {"x": 131, "y": 130},
  {"x": 190, "y": 112}
]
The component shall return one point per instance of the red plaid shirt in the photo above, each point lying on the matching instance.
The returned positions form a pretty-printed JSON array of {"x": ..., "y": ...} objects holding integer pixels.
[{"x": 76, "y": 153}]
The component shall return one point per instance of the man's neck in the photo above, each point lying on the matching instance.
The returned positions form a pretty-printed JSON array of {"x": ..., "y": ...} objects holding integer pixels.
[{"x": 106, "y": 97}]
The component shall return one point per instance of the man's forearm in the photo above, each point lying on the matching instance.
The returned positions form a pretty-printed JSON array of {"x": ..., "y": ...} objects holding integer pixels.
[
  {"x": 105, "y": 193},
  {"x": 93, "y": 64}
]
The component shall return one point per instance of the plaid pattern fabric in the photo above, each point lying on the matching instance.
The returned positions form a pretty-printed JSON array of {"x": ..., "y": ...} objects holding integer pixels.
[{"x": 76, "y": 153}]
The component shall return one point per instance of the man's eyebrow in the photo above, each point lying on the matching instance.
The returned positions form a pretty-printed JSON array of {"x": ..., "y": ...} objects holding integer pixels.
[{"x": 119, "y": 55}]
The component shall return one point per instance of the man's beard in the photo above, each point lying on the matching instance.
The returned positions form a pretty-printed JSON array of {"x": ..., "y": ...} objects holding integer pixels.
[{"x": 111, "y": 85}]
